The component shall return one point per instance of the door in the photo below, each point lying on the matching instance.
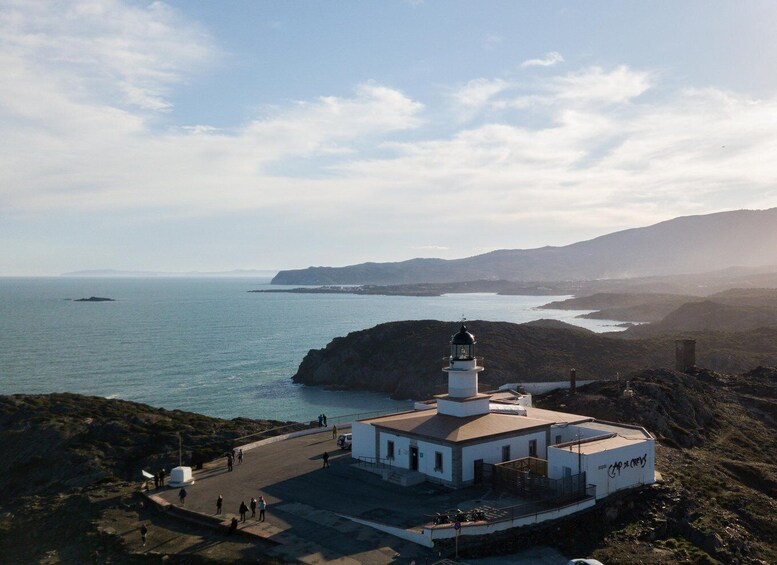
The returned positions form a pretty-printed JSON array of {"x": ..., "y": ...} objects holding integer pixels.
[
  {"x": 478, "y": 471},
  {"x": 413, "y": 458}
]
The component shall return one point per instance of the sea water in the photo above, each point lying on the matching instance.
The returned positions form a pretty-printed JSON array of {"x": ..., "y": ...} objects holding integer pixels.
[{"x": 207, "y": 345}]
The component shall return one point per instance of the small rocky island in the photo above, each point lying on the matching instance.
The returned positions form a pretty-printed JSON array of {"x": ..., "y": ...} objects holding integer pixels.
[{"x": 95, "y": 299}]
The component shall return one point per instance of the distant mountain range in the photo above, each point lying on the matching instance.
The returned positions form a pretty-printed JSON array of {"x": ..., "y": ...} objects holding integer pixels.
[{"x": 685, "y": 245}]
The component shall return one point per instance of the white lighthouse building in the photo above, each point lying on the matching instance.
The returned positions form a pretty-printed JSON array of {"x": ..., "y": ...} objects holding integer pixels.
[{"x": 456, "y": 435}]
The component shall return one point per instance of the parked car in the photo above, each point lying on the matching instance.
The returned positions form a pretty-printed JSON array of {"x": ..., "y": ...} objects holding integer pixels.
[
  {"x": 584, "y": 562},
  {"x": 344, "y": 441}
]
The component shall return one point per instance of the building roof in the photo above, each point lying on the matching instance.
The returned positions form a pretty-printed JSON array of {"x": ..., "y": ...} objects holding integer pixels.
[
  {"x": 598, "y": 445},
  {"x": 554, "y": 417},
  {"x": 623, "y": 430},
  {"x": 463, "y": 337},
  {"x": 430, "y": 424}
]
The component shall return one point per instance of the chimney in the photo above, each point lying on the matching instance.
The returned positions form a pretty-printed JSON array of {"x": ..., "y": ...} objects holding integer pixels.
[
  {"x": 572, "y": 381},
  {"x": 684, "y": 354}
]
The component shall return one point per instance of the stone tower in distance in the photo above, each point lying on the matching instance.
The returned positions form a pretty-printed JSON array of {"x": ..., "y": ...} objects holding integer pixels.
[{"x": 684, "y": 354}]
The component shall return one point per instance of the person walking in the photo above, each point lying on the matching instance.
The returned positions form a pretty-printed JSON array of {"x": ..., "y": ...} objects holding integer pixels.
[
  {"x": 334, "y": 431},
  {"x": 219, "y": 504},
  {"x": 320, "y": 420},
  {"x": 262, "y": 508},
  {"x": 243, "y": 510},
  {"x": 229, "y": 461},
  {"x": 253, "y": 507},
  {"x": 325, "y": 457},
  {"x": 182, "y": 496},
  {"x": 240, "y": 457},
  {"x": 143, "y": 534}
]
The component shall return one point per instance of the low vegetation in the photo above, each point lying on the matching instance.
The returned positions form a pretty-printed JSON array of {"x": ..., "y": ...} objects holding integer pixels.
[{"x": 68, "y": 459}]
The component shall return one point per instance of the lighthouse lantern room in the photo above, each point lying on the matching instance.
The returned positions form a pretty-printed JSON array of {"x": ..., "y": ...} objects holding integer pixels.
[{"x": 463, "y": 399}]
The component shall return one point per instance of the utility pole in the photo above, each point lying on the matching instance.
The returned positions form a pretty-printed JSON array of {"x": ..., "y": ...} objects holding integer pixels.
[
  {"x": 180, "y": 450},
  {"x": 579, "y": 465}
]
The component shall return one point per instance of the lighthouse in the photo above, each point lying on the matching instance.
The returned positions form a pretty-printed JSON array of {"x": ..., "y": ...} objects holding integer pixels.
[{"x": 463, "y": 399}]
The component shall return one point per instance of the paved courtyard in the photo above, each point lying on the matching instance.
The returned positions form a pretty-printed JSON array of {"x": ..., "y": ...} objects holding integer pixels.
[{"x": 305, "y": 500}]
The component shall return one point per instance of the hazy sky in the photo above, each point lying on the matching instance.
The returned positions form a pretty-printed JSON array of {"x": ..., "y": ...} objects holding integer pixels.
[{"x": 192, "y": 135}]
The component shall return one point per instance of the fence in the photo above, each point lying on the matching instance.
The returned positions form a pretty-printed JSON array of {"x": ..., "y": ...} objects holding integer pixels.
[{"x": 527, "y": 477}]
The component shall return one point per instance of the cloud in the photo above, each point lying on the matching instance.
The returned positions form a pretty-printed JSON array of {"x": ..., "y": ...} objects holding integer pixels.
[
  {"x": 584, "y": 151},
  {"x": 597, "y": 85},
  {"x": 550, "y": 59},
  {"x": 476, "y": 94},
  {"x": 329, "y": 123},
  {"x": 106, "y": 49}
]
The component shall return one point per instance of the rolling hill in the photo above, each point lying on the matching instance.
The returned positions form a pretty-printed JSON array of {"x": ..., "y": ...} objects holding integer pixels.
[{"x": 689, "y": 244}]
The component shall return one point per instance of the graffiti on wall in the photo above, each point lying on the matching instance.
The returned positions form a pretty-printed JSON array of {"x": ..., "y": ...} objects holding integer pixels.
[{"x": 615, "y": 468}]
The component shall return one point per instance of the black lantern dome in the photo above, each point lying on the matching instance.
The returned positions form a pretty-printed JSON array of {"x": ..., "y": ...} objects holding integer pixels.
[{"x": 463, "y": 344}]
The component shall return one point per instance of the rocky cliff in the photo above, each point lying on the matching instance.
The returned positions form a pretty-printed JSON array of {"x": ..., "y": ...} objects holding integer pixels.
[
  {"x": 404, "y": 359},
  {"x": 718, "y": 499}
]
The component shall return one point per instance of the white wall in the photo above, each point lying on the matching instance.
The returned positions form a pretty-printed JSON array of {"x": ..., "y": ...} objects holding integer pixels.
[
  {"x": 363, "y": 444},
  {"x": 462, "y": 409},
  {"x": 462, "y": 384},
  {"x": 542, "y": 388},
  {"x": 426, "y": 453},
  {"x": 401, "y": 449},
  {"x": 491, "y": 452},
  {"x": 611, "y": 470}
]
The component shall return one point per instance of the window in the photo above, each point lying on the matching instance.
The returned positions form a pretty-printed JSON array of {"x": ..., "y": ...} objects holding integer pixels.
[
  {"x": 438, "y": 461},
  {"x": 558, "y": 439},
  {"x": 533, "y": 448},
  {"x": 505, "y": 453},
  {"x": 390, "y": 450}
]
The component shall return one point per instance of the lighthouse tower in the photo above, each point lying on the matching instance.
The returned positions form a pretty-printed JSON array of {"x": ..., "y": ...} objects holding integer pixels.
[{"x": 463, "y": 399}]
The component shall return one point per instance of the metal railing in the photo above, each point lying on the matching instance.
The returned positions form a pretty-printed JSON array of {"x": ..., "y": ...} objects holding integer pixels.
[
  {"x": 371, "y": 463},
  {"x": 494, "y": 515},
  {"x": 280, "y": 430},
  {"x": 363, "y": 415}
]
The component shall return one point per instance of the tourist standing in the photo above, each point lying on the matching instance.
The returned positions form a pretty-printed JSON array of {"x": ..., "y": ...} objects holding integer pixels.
[
  {"x": 320, "y": 420},
  {"x": 243, "y": 510},
  {"x": 253, "y": 507},
  {"x": 229, "y": 461},
  {"x": 156, "y": 479},
  {"x": 182, "y": 496},
  {"x": 233, "y": 526},
  {"x": 240, "y": 457},
  {"x": 334, "y": 431},
  {"x": 161, "y": 477},
  {"x": 143, "y": 534},
  {"x": 219, "y": 503},
  {"x": 262, "y": 508},
  {"x": 323, "y": 417},
  {"x": 325, "y": 457}
]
